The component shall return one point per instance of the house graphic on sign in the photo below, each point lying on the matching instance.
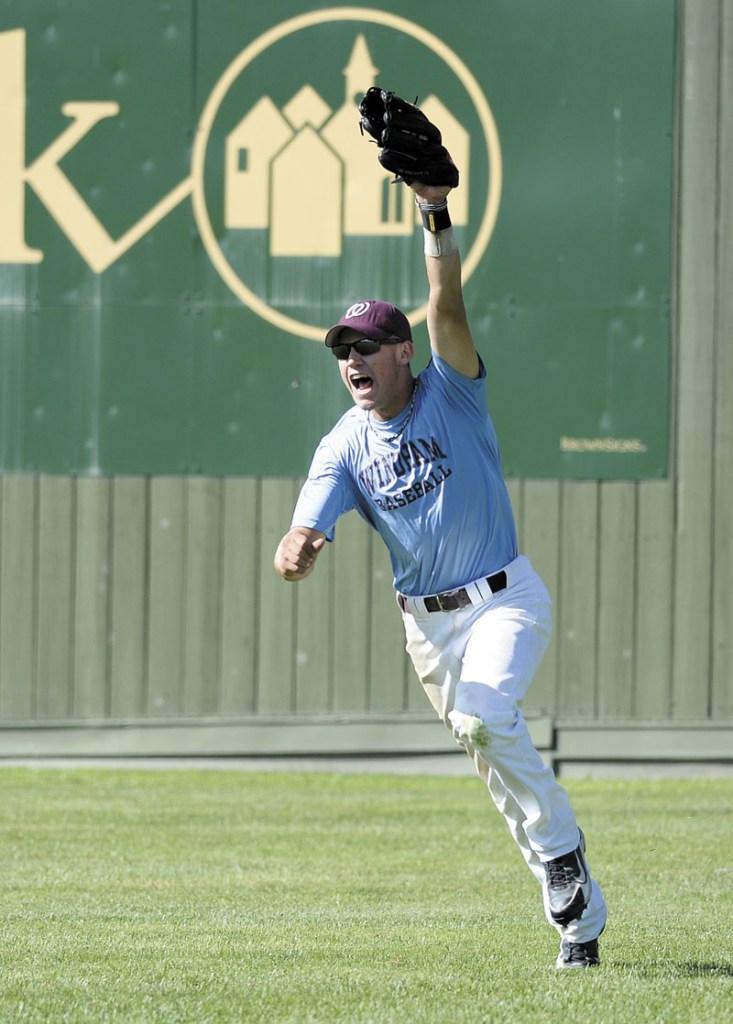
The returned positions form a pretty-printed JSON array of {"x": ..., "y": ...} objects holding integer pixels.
[{"x": 305, "y": 171}]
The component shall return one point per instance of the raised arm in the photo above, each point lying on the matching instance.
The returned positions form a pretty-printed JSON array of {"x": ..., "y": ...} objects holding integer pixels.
[
  {"x": 450, "y": 334},
  {"x": 411, "y": 147}
]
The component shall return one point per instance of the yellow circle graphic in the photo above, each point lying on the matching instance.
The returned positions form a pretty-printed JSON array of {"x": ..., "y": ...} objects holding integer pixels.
[{"x": 235, "y": 69}]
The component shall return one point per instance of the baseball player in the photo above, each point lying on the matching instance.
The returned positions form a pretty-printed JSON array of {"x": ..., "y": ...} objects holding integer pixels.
[{"x": 417, "y": 457}]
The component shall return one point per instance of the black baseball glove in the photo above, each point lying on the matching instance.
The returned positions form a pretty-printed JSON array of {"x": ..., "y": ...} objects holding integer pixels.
[{"x": 410, "y": 146}]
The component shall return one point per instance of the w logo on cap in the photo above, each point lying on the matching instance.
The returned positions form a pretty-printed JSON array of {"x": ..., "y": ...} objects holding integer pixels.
[{"x": 358, "y": 309}]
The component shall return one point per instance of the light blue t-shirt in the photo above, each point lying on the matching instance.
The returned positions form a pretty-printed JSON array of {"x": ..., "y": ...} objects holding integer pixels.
[{"x": 436, "y": 495}]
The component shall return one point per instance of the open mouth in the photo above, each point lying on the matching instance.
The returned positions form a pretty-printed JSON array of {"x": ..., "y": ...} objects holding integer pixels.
[{"x": 360, "y": 382}]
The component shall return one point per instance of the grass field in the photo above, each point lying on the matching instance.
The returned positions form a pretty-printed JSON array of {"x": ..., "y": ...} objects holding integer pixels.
[{"x": 206, "y": 896}]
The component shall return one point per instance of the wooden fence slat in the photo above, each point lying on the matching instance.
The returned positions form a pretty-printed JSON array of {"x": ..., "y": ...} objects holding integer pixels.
[
  {"x": 616, "y": 599},
  {"x": 388, "y": 671},
  {"x": 17, "y": 596},
  {"x": 203, "y": 595},
  {"x": 653, "y": 649},
  {"x": 351, "y": 557},
  {"x": 239, "y": 596},
  {"x": 541, "y": 544},
  {"x": 276, "y": 675},
  {"x": 315, "y": 622},
  {"x": 91, "y": 598},
  {"x": 577, "y": 621},
  {"x": 316, "y": 619},
  {"x": 722, "y": 651},
  {"x": 696, "y": 316},
  {"x": 167, "y": 596},
  {"x": 130, "y": 600},
  {"x": 54, "y": 598}
]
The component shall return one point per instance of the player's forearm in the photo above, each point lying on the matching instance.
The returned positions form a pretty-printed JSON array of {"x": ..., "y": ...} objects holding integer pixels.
[
  {"x": 444, "y": 280},
  {"x": 442, "y": 263},
  {"x": 447, "y": 321}
]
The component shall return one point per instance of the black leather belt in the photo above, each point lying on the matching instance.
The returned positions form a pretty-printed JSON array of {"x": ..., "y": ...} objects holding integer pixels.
[{"x": 452, "y": 600}]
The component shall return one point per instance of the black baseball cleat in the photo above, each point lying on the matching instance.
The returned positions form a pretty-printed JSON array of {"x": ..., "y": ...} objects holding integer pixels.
[
  {"x": 578, "y": 954},
  {"x": 568, "y": 885}
]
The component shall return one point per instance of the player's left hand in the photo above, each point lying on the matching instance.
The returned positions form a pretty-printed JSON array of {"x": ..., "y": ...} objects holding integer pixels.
[{"x": 410, "y": 145}]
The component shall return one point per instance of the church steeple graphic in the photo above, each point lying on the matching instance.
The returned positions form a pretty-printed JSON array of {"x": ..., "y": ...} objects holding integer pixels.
[{"x": 360, "y": 73}]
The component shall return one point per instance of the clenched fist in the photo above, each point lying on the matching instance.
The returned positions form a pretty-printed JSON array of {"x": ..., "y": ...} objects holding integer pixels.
[{"x": 296, "y": 554}]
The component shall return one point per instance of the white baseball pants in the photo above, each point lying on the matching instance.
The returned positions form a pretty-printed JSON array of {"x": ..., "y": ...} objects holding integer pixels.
[{"x": 476, "y": 664}]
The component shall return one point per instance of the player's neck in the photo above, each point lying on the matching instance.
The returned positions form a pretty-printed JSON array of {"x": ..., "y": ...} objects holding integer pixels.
[{"x": 404, "y": 396}]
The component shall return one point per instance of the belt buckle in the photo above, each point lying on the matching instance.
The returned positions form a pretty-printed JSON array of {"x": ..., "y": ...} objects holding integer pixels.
[{"x": 452, "y": 600}]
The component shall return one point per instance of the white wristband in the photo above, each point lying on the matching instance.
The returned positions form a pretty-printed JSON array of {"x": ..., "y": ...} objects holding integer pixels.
[{"x": 440, "y": 243}]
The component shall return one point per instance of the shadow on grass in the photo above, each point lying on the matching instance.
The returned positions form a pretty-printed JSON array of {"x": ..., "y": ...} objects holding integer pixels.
[{"x": 685, "y": 969}]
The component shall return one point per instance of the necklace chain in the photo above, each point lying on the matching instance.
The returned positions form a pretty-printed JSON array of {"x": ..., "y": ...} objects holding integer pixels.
[{"x": 400, "y": 432}]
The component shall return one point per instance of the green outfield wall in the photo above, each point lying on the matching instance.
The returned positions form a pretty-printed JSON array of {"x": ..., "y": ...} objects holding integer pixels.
[{"x": 186, "y": 202}]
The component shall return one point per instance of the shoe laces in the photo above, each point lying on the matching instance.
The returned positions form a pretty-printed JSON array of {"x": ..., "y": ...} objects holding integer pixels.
[
  {"x": 576, "y": 952},
  {"x": 561, "y": 871}
]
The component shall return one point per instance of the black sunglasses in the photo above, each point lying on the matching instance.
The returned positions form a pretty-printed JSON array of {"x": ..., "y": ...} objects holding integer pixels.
[{"x": 365, "y": 347}]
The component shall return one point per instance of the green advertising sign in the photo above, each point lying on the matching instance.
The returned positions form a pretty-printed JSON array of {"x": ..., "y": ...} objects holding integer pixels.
[{"x": 187, "y": 204}]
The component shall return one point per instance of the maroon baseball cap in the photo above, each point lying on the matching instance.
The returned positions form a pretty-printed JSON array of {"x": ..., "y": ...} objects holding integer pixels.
[{"x": 373, "y": 319}]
